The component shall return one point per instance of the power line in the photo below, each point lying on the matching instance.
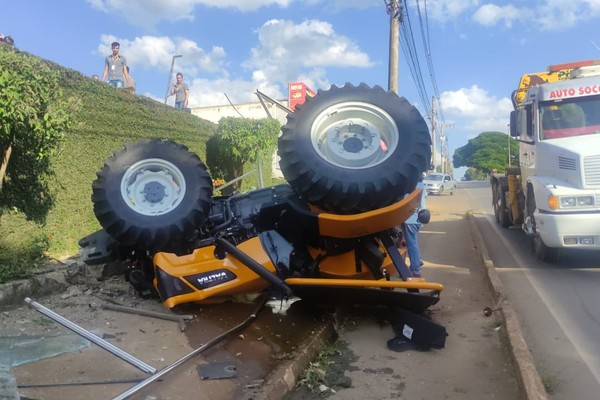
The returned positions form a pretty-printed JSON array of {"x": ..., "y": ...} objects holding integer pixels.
[
  {"x": 409, "y": 49},
  {"x": 427, "y": 47},
  {"x": 432, "y": 105}
]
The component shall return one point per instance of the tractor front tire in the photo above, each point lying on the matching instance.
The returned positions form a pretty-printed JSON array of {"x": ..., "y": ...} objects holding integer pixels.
[{"x": 152, "y": 195}]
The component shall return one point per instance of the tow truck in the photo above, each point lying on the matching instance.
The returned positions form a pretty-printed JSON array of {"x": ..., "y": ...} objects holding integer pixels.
[{"x": 554, "y": 193}]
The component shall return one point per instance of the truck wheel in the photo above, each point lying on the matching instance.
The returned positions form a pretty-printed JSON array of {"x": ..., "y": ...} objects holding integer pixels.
[
  {"x": 495, "y": 202},
  {"x": 152, "y": 195},
  {"x": 542, "y": 252},
  {"x": 504, "y": 220},
  {"x": 354, "y": 149}
]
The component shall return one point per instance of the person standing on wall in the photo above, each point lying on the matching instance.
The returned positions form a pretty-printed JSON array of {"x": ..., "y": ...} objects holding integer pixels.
[
  {"x": 181, "y": 90},
  {"x": 115, "y": 68}
]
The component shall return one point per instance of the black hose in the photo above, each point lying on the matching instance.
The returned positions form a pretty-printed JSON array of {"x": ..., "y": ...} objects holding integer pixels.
[{"x": 255, "y": 267}]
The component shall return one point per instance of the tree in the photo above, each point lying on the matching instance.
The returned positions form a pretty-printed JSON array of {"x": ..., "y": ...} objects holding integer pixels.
[
  {"x": 33, "y": 116},
  {"x": 473, "y": 174},
  {"x": 486, "y": 152},
  {"x": 238, "y": 141}
]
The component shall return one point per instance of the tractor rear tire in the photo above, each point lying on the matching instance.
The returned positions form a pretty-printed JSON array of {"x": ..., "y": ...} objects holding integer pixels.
[
  {"x": 354, "y": 149},
  {"x": 152, "y": 195}
]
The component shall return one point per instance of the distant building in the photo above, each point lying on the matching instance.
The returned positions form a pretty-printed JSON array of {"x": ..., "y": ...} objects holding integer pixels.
[{"x": 247, "y": 110}]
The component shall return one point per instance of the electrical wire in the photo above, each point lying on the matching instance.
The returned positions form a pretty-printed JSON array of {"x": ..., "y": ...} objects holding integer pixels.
[
  {"x": 409, "y": 49},
  {"x": 427, "y": 48}
]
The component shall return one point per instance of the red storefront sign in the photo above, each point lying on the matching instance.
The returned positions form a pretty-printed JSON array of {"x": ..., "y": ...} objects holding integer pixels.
[{"x": 297, "y": 93}]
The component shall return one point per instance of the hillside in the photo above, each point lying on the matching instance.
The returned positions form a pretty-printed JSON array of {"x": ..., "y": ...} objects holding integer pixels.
[{"x": 106, "y": 119}]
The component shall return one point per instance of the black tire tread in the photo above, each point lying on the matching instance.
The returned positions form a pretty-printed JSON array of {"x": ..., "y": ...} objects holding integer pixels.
[
  {"x": 336, "y": 189},
  {"x": 152, "y": 232}
]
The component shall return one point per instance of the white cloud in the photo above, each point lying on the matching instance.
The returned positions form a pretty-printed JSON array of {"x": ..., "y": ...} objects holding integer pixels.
[
  {"x": 204, "y": 92},
  {"x": 157, "y": 52},
  {"x": 147, "y": 14},
  {"x": 491, "y": 15},
  {"x": 540, "y": 14},
  {"x": 475, "y": 111},
  {"x": 444, "y": 10},
  {"x": 555, "y": 15},
  {"x": 288, "y": 51},
  {"x": 544, "y": 14},
  {"x": 340, "y": 5}
]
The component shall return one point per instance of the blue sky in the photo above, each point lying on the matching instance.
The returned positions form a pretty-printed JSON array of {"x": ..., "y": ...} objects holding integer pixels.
[{"x": 479, "y": 49}]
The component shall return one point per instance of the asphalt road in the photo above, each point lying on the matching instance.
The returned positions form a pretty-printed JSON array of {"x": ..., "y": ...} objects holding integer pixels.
[{"x": 557, "y": 303}]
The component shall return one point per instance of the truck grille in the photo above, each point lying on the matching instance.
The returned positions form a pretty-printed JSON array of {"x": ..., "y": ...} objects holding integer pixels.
[
  {"x": 591, "y": 165},
  {"x": 567, "y": 163}
]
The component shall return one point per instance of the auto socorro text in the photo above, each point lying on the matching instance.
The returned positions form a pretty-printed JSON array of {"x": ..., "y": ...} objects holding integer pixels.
[{"x": 574, "y": 91}]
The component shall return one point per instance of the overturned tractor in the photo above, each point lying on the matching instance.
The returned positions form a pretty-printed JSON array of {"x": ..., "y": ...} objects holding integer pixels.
[{"x": 352, "y": 157}]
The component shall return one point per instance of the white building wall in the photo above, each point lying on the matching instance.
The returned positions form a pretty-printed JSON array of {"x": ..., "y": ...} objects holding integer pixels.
[{"x": 247, "y": 110}]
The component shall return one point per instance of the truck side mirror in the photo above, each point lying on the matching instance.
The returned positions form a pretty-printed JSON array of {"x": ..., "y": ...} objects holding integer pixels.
[
  {"x": 525, "y": 120},
  {"x": 514, "y": 131}
]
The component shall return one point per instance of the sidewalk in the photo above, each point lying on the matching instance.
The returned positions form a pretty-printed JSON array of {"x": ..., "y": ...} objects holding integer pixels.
[{"x": 476, "y": 362}]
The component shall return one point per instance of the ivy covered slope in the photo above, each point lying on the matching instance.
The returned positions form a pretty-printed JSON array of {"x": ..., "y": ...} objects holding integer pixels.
[{"x": 105, "y": 119}]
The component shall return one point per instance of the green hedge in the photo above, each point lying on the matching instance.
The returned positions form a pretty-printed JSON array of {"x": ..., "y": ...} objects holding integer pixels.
[{"x": 106, "y": 119}]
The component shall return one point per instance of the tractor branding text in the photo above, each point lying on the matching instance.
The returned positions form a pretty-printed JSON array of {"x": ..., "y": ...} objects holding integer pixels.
[{"x": 210, "y": 279}]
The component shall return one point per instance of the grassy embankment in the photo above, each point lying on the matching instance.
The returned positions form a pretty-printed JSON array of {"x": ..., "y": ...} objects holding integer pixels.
[{"x": 106, "y": 120}]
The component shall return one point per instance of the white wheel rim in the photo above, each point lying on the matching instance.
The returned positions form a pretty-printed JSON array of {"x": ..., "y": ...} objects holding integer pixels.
[
  {"x": 354, "y": 135},
  {"x": 153, "y": 187}
]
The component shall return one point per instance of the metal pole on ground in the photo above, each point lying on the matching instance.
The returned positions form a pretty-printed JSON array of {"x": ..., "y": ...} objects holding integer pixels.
[
  {"x": 91, "y": 337},
  {"x": 209, "y": 344}
]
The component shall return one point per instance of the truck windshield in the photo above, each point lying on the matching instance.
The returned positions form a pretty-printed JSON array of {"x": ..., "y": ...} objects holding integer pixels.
[{"x": 571, "y": 117}]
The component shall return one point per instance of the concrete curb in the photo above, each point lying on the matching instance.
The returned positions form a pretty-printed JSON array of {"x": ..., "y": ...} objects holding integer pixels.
[
  {"x": 528, "y": 376},
  {"x": 283, "y": 379},
  {"x": 13, "y": 293}
]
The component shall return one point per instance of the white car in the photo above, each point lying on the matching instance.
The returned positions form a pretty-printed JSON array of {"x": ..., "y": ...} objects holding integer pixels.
[{"x": 436, "y": 183}]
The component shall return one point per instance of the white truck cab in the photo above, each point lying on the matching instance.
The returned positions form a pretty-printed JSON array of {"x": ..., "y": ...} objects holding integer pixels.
[{"x": 558, "y": 128}]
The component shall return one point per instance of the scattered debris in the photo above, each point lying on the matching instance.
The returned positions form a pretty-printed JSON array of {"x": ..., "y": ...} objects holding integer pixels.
[{"x": 217, "y": 370}]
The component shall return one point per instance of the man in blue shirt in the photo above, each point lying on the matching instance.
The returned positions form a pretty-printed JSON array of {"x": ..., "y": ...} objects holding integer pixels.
[{"x": 411, "y": 235}]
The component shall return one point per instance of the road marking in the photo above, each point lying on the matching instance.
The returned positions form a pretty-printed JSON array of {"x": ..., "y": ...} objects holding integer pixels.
[{"x": 560, "y": 319}]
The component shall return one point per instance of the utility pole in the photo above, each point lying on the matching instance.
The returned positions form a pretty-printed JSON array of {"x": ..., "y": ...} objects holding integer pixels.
[
  {"x": 433, "y": 137},
  {"x": 443, "y": 152},
  {"x": 171, "y": 76},
  {"x": 394, "y": 10},
  {"x": 444, "y": 144},
  {"x": 508, "y": 134}
]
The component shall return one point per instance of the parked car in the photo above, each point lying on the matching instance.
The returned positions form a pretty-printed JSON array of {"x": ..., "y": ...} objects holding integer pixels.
[{"x": 436, "y": 183}]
